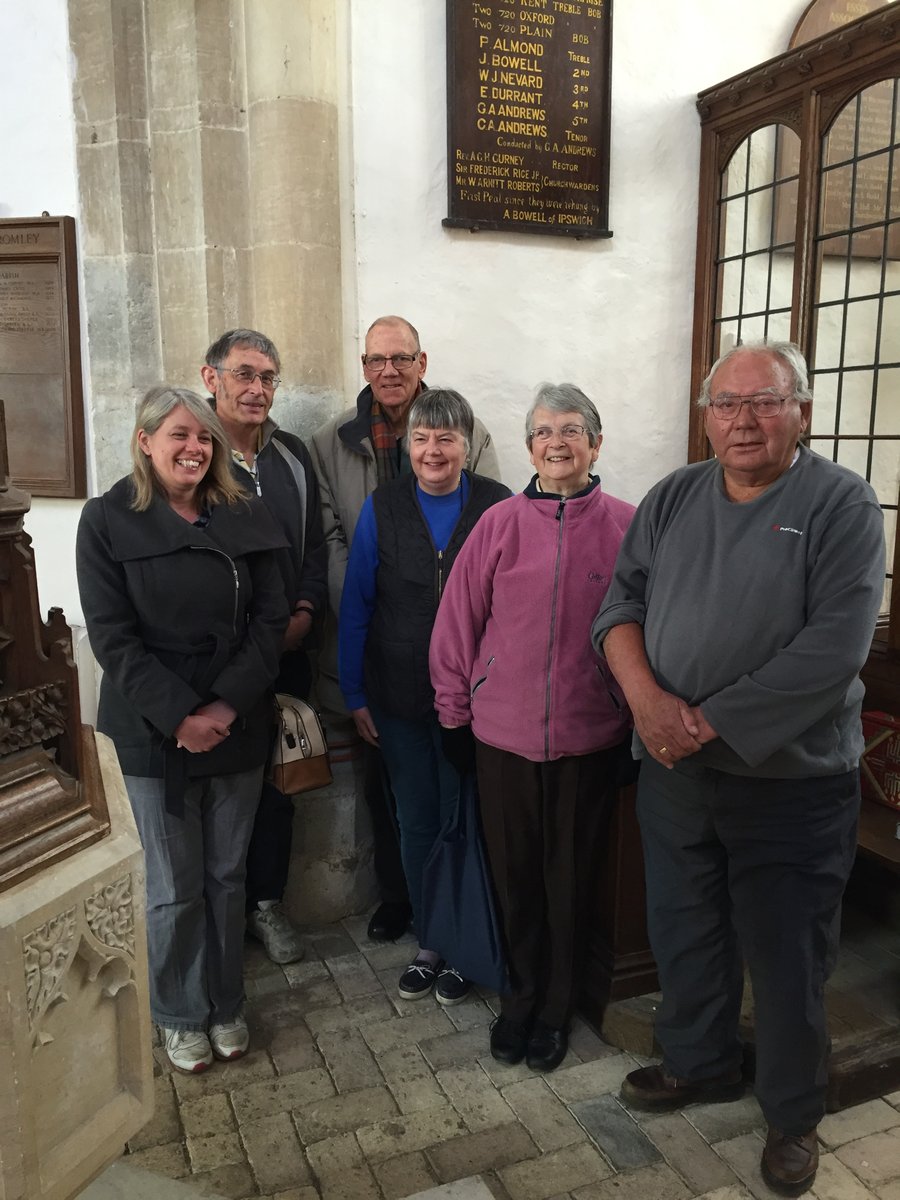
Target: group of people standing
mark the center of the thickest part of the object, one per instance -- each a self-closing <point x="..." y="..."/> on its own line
<point x="534" y="641"/>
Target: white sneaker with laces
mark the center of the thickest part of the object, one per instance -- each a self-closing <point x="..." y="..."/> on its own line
<point x="269" y="924"/>
<point x="230" y="1039"/>
<point x="188" y="1050"/>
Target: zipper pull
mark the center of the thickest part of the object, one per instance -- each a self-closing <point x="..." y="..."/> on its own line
<point x="559" y="511"/>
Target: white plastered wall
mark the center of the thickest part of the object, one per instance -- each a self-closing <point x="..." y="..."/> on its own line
<point x="498" y="312"/>
<point x="37" y="149"/>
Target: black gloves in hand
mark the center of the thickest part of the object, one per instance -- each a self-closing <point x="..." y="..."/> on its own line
<point x="459" y="748"/>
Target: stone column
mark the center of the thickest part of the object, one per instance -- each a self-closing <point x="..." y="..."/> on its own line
<point x="209" y="150"/>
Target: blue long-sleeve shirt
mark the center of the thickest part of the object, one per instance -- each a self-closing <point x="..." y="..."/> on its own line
<point x="360" y="594"/>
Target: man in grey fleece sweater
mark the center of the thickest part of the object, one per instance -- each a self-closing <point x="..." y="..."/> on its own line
<point x="741" y="610"/>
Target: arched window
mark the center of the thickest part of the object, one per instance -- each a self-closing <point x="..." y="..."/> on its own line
<point x="799" y="237"/>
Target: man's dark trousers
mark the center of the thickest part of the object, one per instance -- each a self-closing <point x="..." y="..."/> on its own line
<point x="738" y="865"/>
<point x="385" y="834"/>
<point x="269" y="856"/>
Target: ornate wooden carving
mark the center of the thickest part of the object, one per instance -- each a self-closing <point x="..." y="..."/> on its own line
<point x="48" y="806"/>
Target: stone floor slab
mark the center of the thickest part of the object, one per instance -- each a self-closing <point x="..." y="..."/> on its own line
<point x="454" y="1049"/>
<point x="293" y="1048"/>
<point x="742" y="1154"/>
<point x="206" y="1115"/>
<point x="274" y="1152"/>
<point x="586" y="1044"/>
<point x="410" y="1079"/>
<point x="165" y="1125"/>
<point x="720" y="1122"/>
<point x="122" y="1181"/>
<point x="587" y="1080"/>
<point x="544" y="1116"/>
<point x="233" y="1181"/>
<point x="281" y="1094"/>
<point x="872" y="1117"/>
<point x="734" y="1191"/>
<point x="462" y="1189"/>
<point x="366" y="1011"/>
<point x="224" y="1077"/>
<point x="400" y="1135"/>
<point x="475" y="1153"/>
<point x="334" y="1156"/>
<point x="214" y="1150"/>
<point x="620" y="1138"/>
<point x="353" y="975"/>
<point x="562" y="1171"/>
<point x="474" y="1097"/>
<point x="342" y="1114"/>
<point x="657" y="1182"/>
<point x="405" y="1175"/>
<point x="875" y="1159"/>
<point x="420" y="1025"/>
<point x="684" y="1149"/>
<point x="169" y="1159"/>
<point x="834" y="1181"/>
<point x="332" y="942"/>
<point x="350" y="1061"/>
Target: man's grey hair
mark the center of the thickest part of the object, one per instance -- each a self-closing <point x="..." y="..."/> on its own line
<point x="394" y="320"/>
<point x="565" y="398"/>
<point x="442" y="408"/>
<point x="787" y="353"/>
<point x="223" y="346"/>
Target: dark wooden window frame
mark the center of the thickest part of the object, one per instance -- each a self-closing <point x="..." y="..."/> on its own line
<point x="803" y="89"/>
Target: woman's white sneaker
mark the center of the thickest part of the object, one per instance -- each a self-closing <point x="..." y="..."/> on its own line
<point x="231" y="1039"/>
<point x="188" y="1050"/>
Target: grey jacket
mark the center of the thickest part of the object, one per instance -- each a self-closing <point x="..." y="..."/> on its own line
<point x="344" y="460"/>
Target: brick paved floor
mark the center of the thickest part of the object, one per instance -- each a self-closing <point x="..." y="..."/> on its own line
<point x="349" y="1093"/>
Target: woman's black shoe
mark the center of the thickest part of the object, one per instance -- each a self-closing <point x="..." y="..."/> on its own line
<point x="509" y="1041"/>
<point x="389" y="921"/>
<point x="546" y="1047"/>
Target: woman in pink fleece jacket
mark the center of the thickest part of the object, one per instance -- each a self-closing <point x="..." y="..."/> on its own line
<point x="512" y="664"/>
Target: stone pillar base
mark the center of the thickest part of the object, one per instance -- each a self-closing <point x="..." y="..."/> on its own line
<point x="332" y="875"/>
<point x="75" y="1046"/>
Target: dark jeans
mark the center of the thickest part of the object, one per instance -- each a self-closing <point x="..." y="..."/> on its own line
<point x="269" y="856"/>
<point x="543" y="824"/>
<point x="425" y="787"/>
<point x="755" y="866"/>
<point x="385" y="835"/>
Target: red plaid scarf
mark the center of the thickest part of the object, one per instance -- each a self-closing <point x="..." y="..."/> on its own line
<point x="385" y="443"/>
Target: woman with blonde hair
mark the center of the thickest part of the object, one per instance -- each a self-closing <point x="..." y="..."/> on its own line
<point x="185" y="611"/>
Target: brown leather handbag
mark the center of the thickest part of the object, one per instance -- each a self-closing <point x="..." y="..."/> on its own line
<point x="299" y="758"/>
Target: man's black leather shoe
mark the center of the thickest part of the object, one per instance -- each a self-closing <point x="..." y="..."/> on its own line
<point x="509" y="1041"/>
<point x="389" y="922"/>
<point x="546" y="1047"/>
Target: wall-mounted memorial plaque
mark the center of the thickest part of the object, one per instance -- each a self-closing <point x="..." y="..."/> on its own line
<point x="528" y="85"/>
<point x="40" y="356"/>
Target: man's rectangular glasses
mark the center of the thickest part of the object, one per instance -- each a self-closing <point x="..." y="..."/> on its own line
<point x="400" y="362"/>
<point x="268" y="379"/>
